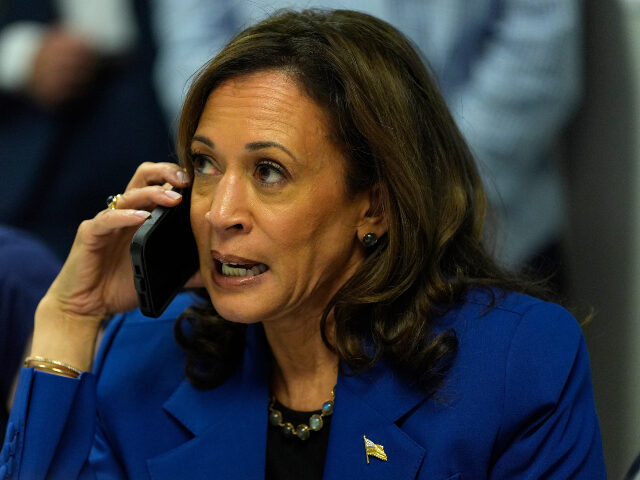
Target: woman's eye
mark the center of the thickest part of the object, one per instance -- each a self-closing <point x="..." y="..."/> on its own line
<point x="202" y="165"/>
<point x="269" y="173"/>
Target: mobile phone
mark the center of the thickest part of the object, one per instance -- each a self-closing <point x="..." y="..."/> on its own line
<point x="164" y="256"/>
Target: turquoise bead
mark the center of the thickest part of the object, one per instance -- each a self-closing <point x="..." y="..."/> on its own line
<point x="327" y="408"/>
<point x="275" y="417"/>
<point x="315" y="422"/>
<point x="303" y="432"/>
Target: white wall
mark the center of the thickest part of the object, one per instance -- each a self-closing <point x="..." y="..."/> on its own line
<point x="603" y="154"/>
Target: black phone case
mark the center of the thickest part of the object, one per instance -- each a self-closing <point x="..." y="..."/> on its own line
<point x="164" y="256"/>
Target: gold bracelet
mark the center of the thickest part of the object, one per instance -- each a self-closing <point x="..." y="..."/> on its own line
<point x="52" y="366"/>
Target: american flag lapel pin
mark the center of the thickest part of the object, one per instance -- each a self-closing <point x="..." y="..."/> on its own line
<point x="373" y="449"/>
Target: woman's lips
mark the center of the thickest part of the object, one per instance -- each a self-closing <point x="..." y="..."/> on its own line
<point x="228" y="258"/>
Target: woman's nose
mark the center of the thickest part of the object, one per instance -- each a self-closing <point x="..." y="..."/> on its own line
<point x="228" y="209"/>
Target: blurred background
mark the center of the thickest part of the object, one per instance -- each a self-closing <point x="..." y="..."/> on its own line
<point x="78" y="116"/>
<point x="602" y="170"/>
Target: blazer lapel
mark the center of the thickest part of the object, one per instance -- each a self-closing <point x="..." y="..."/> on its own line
<point x="228" y="424"/>
<point x="369" y="405"/>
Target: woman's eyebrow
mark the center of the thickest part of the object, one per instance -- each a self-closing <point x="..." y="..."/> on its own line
<point x="253" y="146"/>
<point x="205" y="140"/>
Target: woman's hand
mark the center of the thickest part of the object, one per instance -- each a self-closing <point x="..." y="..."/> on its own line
<point x="96" y="280"/>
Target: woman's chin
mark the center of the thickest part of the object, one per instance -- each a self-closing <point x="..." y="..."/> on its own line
<point x="236" y="316"/>
<point x="237" y="308"/>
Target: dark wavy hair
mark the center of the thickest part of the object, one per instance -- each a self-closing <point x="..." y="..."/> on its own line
<point x="389" y="119"/>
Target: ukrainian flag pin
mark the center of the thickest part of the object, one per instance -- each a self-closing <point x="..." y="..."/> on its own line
<point x="374" y="450"/>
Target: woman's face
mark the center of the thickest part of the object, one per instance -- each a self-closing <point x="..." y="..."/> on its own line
<point x="277" y="233"/>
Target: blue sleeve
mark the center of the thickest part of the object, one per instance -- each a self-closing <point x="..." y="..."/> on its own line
<point x="54" y="433"/>
<point x="54" y="430"/>
<point x="550" y="427"/>
<point x="51" y="427"/>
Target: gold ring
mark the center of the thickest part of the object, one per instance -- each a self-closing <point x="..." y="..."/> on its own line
<point x="112" y="201"/>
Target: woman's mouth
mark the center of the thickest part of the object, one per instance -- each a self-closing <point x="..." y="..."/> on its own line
<point x="236" y="269"/>
<point x="241" y="270"/>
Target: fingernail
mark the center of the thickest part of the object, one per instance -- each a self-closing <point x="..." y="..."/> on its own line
<point x="142" y="213"/>
<point x="172" y="194"/>
<point x="182" y="177"/>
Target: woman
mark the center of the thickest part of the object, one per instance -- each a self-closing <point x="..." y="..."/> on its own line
<point x="338" y="217"/>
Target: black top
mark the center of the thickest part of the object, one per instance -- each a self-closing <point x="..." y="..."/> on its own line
<point x="292" y="458"/>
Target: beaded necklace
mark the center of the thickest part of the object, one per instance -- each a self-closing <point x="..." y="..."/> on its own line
<point x="302" y="431"/>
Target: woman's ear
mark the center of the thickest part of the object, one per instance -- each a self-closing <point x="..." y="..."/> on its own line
<point x="374" y="222"/>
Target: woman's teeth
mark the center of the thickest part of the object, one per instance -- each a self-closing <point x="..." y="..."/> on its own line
<point x="236" y="270"/>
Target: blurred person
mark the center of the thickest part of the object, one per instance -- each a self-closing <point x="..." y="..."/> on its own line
<point x="508" y="69"/>
<point x="353" y="324"/>
<point x="27" y="268"/>
<point x="78" y="109"/>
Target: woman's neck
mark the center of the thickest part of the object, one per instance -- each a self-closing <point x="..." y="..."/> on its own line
<point x="304" y="369"/>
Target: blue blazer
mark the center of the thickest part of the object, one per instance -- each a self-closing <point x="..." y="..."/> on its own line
<point x="517" y="403"/>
